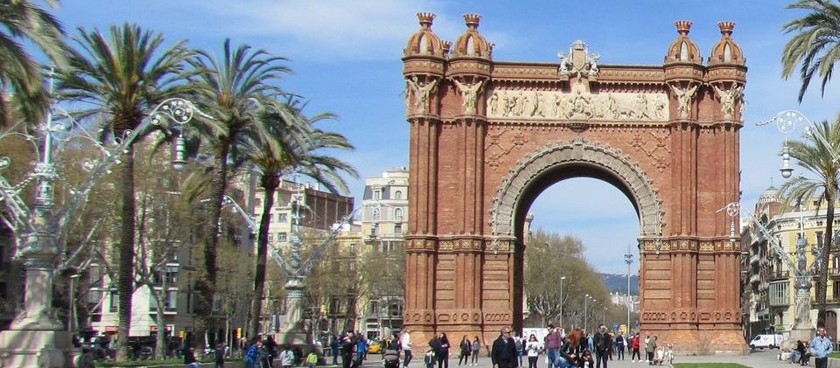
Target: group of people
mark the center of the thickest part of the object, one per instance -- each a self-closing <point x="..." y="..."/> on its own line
<point x="262" y="353"/>
<point x="819" y="348"/>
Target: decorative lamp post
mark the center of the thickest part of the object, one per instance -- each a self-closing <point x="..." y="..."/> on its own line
<point x="33" y="338"/>
<point x="562" y="278"/>
<point x="585" y="301"/>
<point x="628" y="258"/>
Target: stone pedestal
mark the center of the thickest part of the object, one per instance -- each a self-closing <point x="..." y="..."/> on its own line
<point x="41" y="349"/>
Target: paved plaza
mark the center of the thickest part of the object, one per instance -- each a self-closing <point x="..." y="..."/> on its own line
<point x="756" y="359"/>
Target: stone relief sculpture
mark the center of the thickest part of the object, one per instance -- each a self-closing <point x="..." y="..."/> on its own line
<point x="421" y="92"/>
<point x="470" y="93"/>
<point x="684" y="96"/>
<point x="578" y="105"/>
<point x="727" y="100"/>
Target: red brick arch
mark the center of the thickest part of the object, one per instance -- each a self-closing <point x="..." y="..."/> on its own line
<point x="487" y="137"/>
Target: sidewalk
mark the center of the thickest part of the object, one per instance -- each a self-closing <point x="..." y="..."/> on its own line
<point x="757" y="359"/>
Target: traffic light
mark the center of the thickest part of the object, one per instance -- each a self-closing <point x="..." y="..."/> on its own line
<point x="239" y="332"/>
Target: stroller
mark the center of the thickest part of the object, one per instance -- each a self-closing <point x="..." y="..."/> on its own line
<point x="391" y="359"/>
<point x="659" y="356"/>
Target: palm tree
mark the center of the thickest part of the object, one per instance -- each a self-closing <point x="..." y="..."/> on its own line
<point x="816" y="155"/>
<point x="294" y="145"/>
<point x="235" y="91"/>
<point x="121" y="79"/>
<point x="815" y="43"/>
<point x="20" y="73"/>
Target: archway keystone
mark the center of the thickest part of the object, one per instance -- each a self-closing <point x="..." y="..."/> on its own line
<point x="487" y="137"/>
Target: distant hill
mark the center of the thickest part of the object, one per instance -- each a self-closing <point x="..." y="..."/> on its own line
<point x="618" y="283"/>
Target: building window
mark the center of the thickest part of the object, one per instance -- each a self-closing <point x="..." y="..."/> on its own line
<point x="374" y="308"/>
<point x="257" y="202"/>
<point x="398" y="194"/>
<point x="270" y="237"/>
<point x="281" y="237"/>
<point x="377" y="194"/>
<point x="398" y="213"/>
<point x="113" y="301"/>
<point x="282" y="218"/>
<point x="398" y="229"/>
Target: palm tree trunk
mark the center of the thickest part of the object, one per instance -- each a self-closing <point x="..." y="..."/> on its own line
<point x="828" y="239"/>
<point x="269" y="184"/>
<point x="206" y="281"/>
<point x="125" y="272"/>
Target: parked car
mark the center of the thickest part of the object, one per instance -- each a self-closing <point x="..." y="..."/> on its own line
<point x="766" y="341"/>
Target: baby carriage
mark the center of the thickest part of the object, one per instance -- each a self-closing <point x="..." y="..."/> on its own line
<point x="391" y="359"/>
<point x="659" y="356"/>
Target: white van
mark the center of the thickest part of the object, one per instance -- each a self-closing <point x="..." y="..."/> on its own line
<point x="766" y="341"/>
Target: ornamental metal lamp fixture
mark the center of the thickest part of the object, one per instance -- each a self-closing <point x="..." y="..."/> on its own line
<point x="40" y="231"/>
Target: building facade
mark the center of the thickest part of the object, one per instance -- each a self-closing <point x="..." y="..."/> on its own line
<point x="768" y="278"/>
<point x="384" y="222"/>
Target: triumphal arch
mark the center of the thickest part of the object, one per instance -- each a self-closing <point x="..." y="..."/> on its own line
<point x="487" y="137"/>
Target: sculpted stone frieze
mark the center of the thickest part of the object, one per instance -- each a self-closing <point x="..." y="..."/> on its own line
<point x="577" y="105"/>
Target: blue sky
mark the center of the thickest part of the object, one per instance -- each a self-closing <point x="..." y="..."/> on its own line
<point x="346" y="58"/>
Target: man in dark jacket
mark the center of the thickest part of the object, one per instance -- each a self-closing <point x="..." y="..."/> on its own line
<point x="504" y="350"/>
<point x="602" y="344"/>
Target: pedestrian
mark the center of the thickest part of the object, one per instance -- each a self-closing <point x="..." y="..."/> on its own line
<point x="552" y="344"/>
<point x="532" y="348"/>
<point x="361" y="349"/>
<point x="601" y="340"/>
<point x="504" y="350"/>
<point x="348" y="345"/>
<point x="820" y="347"/>
<point x="429" y="359"/>
<point x="335" y="345"/>
<point x="287" y="357"/>
<point x="219" y="355"/>
<point x="520" y="349"/>
<point x="270" y="347"/>
<point x="189" y="359"/>
<point x="254" y="354"/>
<point x="405" y="344"/>
<point x="441" y="348"/>
<point x="476" y="350"/>
<point x="312" y="359"/>
<point x="466" y="347"/>
<point x="648" y="350"/>
<point x="619" y="346"/>
<point x="634" y="345"/>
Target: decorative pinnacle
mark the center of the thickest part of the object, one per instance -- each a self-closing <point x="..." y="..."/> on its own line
<point x="426" y="19"/>
<point x="726" y="28"/>
<point x="472" y="20"/>
<point x="683" y="26"/>
<point x="447" y="45"/>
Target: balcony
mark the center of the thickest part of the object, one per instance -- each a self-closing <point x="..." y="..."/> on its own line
<point x="780" y="275"/>
<point x="755" y="258"/>
<point x="834" y="272"/>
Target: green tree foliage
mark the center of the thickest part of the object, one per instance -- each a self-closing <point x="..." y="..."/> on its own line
<point x="548" y="258"/>
<point x="20" y="73"/>
<point x="814" y="44"/>
<point x="122" y="76"/>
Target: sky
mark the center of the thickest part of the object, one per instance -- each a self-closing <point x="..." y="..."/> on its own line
<point x="346" y="58"/>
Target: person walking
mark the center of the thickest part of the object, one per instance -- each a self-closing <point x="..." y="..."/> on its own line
<point x="601" y="340"/>
<point x="619" y="346"/>
<point x="405" y="344"/>
<point x="504" y="350"/>
<point x="287" y="357"/>
<point x="254" y="353"/>
<point x="348" y="344"/>
<point x="820" y="347"/>
<point x="335" y="345"/>
<point x="466" y="348"/>
<point x="533" y="350"/>
<point x="552" y="344"/>
<point x="476" y="350"/>
<point x="634" y="346"/>
<point x="219" y="355"/>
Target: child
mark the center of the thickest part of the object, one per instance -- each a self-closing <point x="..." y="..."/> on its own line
<point x="429" y="359"/>
<point x="669" y="354"/>
<point x="312" y="359"/>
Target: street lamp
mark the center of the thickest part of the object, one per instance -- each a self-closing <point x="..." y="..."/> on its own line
<point x="71" y="320"/>
<point x="585" y="301"/>
<point x="561" y="300"/>
<point x="40" y="231"/>
<point x="788" y="120"/>
<point x="628" y="258"/>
